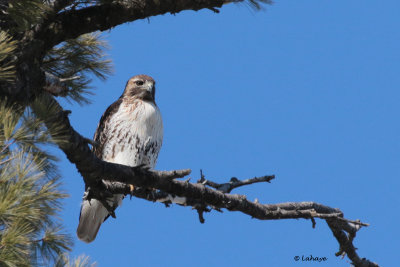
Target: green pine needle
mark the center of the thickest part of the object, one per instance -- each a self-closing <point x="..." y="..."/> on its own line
<point x="7" y="47"/>
<point x="30" y="194"/>
<point x="75" y="62"/>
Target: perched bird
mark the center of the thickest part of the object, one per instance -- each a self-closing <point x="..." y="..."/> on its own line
<point x="130" y="132"/>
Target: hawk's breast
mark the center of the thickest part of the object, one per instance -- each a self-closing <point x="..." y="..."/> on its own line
<point x="135" y="134"/>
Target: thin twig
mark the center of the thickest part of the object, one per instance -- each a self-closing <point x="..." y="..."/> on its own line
<point x="234" y="182"/>
<point x="7" y="160"/>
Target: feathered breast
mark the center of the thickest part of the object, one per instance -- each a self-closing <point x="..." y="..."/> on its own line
<point x="130" y="133"/>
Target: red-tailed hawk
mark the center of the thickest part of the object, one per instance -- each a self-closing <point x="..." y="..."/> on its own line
<point x="130" y="132"/>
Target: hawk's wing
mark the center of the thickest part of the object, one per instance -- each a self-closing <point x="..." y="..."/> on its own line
<point x="101" y="136"/>
<point x="93" y="212"/>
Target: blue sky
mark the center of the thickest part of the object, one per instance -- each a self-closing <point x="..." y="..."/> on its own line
<point x="306" y="90"/>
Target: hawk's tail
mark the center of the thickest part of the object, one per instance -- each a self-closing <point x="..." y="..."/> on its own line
<point x="92" y="215"/>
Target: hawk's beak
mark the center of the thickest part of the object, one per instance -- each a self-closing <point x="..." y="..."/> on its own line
<point x="150" y="87"/>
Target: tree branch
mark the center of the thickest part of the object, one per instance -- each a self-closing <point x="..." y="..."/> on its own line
<point x="196" y="195"/>
<point x="108" y="15"/>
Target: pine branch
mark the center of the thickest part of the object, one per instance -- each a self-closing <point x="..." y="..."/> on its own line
<point x="93" y="170"/>
<point x="69" y="66"/>
<point x="7" y="67"/>
<point x="110" y="14"/>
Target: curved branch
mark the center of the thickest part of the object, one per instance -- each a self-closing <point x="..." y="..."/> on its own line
<point x="105" y="16"/>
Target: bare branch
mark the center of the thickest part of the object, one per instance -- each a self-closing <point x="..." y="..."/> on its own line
<point x="346" y="246"/>
<point x="196" y="195"/>
<point x="234" y="182"/>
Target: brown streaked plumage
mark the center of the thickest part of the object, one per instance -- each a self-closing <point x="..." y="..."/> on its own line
<point x="130" y="133"/>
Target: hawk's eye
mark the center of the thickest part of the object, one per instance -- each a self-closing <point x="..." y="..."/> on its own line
<point x="139" y="82"/>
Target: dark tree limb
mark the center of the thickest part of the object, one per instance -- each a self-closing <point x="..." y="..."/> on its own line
<point x="196" y="195"/>
<point x="108" y="15"/>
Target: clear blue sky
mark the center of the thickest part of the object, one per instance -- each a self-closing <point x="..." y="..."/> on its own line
<point x="306" y="90"/>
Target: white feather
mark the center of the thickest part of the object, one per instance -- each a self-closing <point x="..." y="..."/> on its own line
<point x="139" y="125"/>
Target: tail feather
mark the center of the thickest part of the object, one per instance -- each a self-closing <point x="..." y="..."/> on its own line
<point x="92" y="215"/>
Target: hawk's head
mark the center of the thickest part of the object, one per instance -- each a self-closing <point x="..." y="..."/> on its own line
<point x="141" y="86"/>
